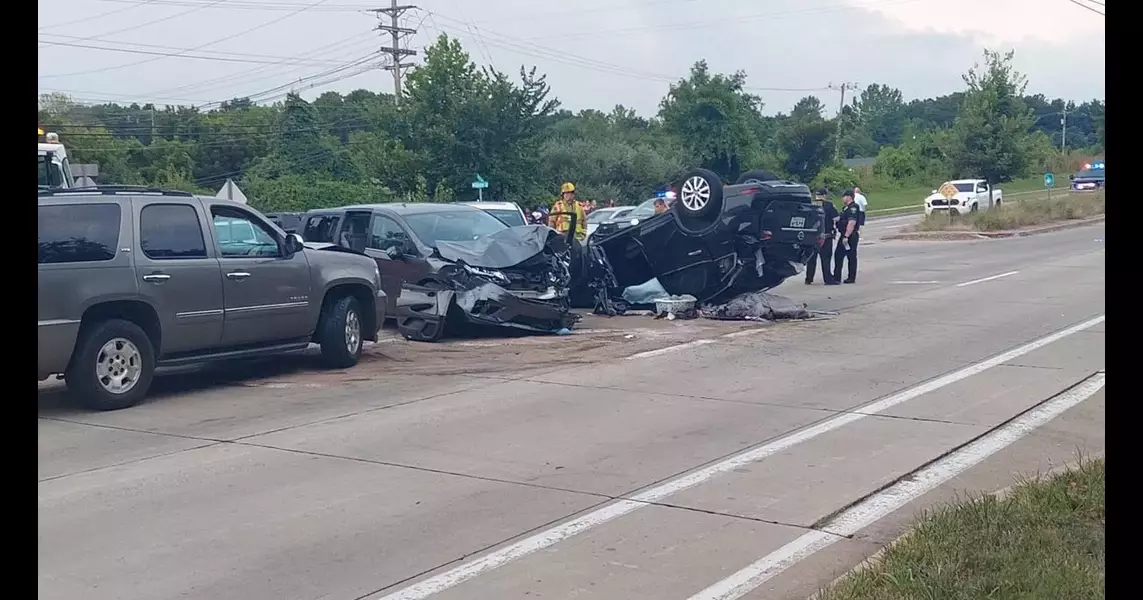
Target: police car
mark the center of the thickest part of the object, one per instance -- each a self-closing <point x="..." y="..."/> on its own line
<point x="1089" y="179"/>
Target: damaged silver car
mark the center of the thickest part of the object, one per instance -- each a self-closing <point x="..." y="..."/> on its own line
<point x="452" y="267"/>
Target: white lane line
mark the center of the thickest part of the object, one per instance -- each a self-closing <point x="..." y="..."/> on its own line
<point x="983" y="279"/>
<point x="744" y="332"/>
<point x="914" y="282"/>
<point x="693" y="344"/>
<point x="548" y="537"/>
<point x="884" y="503"/>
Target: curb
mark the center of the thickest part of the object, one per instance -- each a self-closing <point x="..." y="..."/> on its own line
<point x="992" y="235"/>
<point x="874" y="559"/>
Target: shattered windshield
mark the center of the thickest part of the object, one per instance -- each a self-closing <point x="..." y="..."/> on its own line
<point x="453" y="226"/>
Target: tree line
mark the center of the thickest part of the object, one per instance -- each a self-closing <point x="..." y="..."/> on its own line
<point x="457" y="120"/>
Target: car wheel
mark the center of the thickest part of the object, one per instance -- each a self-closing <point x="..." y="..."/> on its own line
<point x="756" y="176"/>
<point x="112" y="367"/>
<point x="700" y="194"/>
<point x="340" y="335"/>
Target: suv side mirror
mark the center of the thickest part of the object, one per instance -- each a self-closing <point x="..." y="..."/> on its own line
<point x="294" y="243"/>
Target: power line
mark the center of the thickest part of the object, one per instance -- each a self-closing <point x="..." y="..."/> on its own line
<point x="135" y="4"/>
<point x="223" y="80"/>
<point x="529" y="49"/>
<point x="396" y="32"/>
<point x="184" y="54"/>
<point x="152" y="22"/>
<point x="196" y="48"/>
<point x="1087" y="7"/>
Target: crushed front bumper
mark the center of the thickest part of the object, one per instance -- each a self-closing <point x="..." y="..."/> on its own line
<point x="424" y="313"/>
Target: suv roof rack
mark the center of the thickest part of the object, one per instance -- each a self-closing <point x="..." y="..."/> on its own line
<point x="113" y="189"/>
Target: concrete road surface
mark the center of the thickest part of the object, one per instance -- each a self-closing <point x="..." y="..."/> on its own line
<point x="755" y="461"/>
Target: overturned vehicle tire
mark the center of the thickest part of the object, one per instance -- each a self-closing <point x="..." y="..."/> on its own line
<point x="724" y="242"/>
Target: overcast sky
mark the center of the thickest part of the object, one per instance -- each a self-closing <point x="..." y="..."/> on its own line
<point x="597" y="53"/>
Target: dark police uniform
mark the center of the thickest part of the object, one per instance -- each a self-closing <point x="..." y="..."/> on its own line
<point x="825" y="253"/>
<point x="850" y="213"/>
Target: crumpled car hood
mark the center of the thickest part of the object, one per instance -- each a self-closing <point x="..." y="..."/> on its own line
<point x="505" y="248"/>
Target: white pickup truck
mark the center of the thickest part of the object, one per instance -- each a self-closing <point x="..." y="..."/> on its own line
<point x="971" y="195"/>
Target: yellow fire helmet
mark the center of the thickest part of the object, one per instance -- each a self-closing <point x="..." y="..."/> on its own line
<point x="567" y="187"/>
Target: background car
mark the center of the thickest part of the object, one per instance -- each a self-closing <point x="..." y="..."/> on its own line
<point x="509" y="212"/>
<point x="623" y="220"/>
<point x="1089" y="179"/>
<point x="602" y="215"/>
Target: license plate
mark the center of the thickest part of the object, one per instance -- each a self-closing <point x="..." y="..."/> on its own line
<point x="798" y="222"/>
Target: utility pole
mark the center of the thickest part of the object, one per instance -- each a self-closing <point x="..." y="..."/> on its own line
<point x="840" y="110"/>
<point x="1064" y="122"/>
<point x="394" y="12"/>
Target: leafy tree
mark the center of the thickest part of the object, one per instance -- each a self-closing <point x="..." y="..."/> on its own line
<point x="715" y="119"/>
<point x="879" y="111"/>
<point x="990" y="136"/>
<point x="805" y="140"/>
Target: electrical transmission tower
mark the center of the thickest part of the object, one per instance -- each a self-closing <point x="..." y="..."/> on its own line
<point x="396" y="32"/>
<point x="840" y="109"/>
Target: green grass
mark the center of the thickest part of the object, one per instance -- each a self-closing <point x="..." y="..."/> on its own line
<point x="1044" y="540"/>
<point x="1025" y="211"/>
<point x="915" y="197"/>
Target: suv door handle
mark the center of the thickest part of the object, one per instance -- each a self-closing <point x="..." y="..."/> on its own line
<point x="238" y="275"/>
<point x="156" y="278"/>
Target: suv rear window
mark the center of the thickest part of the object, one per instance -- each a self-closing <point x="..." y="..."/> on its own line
<point x="78" y="232"/>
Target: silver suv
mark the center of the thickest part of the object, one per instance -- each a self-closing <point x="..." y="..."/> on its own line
<point x="131" y="279"/>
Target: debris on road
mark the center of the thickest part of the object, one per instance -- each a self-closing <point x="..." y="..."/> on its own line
<point x="757" y="306"/>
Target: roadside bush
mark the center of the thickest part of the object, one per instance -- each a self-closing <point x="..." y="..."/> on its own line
<point x="1022" y="213"/>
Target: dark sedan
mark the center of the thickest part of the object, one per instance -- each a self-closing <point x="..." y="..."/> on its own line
<point x="442" y="262"/>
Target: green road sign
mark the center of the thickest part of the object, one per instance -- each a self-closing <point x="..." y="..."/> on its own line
<point x="480" y="183"/>
<point x="1049" y="180"/>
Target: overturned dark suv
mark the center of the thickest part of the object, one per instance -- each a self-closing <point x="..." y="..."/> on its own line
<point x="717" y="242"/>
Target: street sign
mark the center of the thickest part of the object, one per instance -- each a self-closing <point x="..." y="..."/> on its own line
<point x="1049" y="180"/>
<point x="479" y="185"/>
<point x="947" y="190"/>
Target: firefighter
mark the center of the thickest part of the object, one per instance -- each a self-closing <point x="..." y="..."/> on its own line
<point x="568" y="204"/>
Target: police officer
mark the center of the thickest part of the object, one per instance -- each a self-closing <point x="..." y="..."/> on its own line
<point x="825" y="252"/>
<point x="848" y="225"/>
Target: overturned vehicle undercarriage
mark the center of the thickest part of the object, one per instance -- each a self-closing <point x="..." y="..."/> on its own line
<point x="517" y="277"/>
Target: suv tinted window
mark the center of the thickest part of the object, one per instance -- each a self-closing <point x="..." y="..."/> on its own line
<point x="171" y="231"/>
<point x="320" y="228"/>
<point x="78" y="232"/>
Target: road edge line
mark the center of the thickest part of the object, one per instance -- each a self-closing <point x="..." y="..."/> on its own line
<point x="898" y="495"/>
